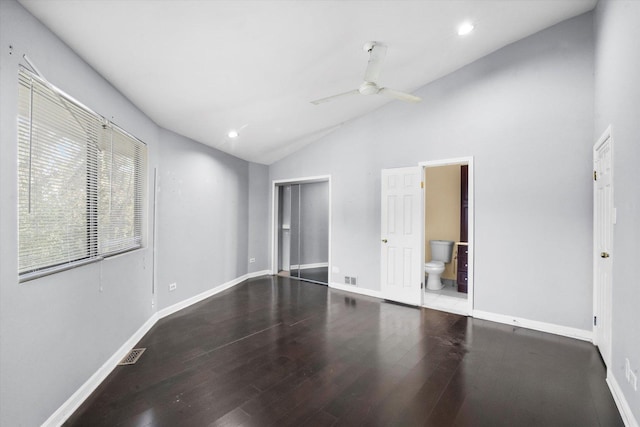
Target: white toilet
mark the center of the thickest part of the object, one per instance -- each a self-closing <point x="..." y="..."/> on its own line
<point x="441" y="251"/>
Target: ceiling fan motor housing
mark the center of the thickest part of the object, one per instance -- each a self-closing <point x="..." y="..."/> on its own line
<point x="368" y="46"/>
<point x="368" y="88"/>
<point x="377" y="52"/>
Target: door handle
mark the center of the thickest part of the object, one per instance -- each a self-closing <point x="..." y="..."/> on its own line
<point x="604" y="255"/>
<point x="384" y="240"/>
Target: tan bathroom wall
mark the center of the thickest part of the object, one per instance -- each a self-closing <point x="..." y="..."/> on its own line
<point x="442" y="209"/>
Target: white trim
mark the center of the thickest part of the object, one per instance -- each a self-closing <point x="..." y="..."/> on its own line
<point x="447" y="162"/>
<point x="85" y="390"/>
<point x="622" y="404"/>
<point x="356" y="290"/>
<point x="469" y="161"/>
<point x="73" y="403"/>
<point x="307" y="180"/>
<point x="258" y="274"/>
<point x="309" y="266"/>
<point x="551" y="328"/>
<point x="329" y="247"/>
<point x="274" y="227"/>
<point x="167" y="311"/>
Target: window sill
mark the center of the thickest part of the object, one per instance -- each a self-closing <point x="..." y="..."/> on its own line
<point x="26" y="277"/>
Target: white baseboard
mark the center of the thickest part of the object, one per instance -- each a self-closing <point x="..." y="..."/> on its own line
<point x="73" y="403"/>
<point x="581" y="334"/>
<point x="356" y="290"/>
<point x="622" y="404"/>
<point x="167" y="311"/>
<point x="85" y="390"/>
<point x="258" y="274"/>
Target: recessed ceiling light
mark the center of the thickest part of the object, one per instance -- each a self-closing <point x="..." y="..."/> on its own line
<point x="465" y="28"/>
<point x="233" y="134"/>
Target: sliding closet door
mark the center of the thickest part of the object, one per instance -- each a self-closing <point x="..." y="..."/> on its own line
<point x="294" y="247"/>
<point x="314" y="231"/>
<point x="303" y="227"/>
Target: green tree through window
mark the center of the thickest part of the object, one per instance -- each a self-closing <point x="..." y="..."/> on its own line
<point x="81" y="182"/>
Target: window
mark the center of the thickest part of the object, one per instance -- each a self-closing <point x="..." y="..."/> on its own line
<point x="81" y="182"/>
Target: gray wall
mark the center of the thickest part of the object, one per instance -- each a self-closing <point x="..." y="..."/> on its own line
<point x="259" y="212"/>
<point x="202" y="218"/>
<point x="314" y="227"/>
<point x="58" y="330"/>
<point x="617" y="103"/>
<point x="212" y="213"/>
<point x="525" y="113"/>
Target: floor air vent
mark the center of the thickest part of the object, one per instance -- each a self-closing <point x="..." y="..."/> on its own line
<point x="132" y="357"/>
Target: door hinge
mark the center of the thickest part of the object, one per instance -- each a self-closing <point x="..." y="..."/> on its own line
<point x="595" y="175"/>
<point x="421" y="184"/>
<point x="595" y="320"/>
<point x="421" y="285"/>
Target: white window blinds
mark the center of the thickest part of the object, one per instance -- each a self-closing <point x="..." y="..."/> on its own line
<point x="81" y="182"/>
<point x="122" y="165"/>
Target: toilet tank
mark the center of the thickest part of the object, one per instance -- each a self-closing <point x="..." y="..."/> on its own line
<point x="441" y="250"/>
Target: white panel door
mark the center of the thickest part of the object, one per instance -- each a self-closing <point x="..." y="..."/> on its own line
<point x="603" y="244"/>
<point x="401" y="235"/>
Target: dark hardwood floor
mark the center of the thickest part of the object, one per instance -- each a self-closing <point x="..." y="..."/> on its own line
<point x="281" y="352"/>
<point x="319" y="274"/>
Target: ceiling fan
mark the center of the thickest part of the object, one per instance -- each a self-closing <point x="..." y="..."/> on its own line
<point x="377" y="52"/>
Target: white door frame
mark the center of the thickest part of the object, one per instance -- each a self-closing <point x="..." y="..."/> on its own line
<point x="471" y="236"/>
<point x="597" y="309"/>
<point x="274" y="216"/>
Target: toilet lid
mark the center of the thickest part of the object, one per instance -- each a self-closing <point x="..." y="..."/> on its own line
<point x="433" y="264"/>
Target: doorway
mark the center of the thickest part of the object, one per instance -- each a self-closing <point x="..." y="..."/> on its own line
<point x="448" y="217"/>
<point x="301" y="229"/>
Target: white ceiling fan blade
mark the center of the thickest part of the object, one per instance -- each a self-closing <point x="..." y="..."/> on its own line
<point x="376" y="57"/>
<point x="399" y="95"/>
<point x="340" y="95"/>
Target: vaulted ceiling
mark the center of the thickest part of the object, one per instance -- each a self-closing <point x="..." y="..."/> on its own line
<point x="204" y="67"/>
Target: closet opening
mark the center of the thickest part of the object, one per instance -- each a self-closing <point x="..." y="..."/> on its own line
<point x="301" y="229"/>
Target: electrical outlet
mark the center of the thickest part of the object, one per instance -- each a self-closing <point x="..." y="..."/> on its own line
<point x="347" y="280"/>
<point x="172" y="287"/>
<point x="252" y="260"/>
<point x="354" y="280"/>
